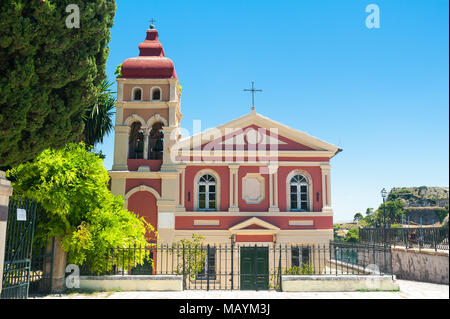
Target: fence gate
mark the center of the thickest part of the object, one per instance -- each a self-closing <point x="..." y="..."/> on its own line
<point x="19" y="242"/>
<point x="254" y="268"/>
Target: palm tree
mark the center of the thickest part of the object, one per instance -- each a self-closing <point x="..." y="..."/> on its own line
<point x="98" y="117"/>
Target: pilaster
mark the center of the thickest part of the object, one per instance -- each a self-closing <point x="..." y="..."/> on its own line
<point x="234" y="200"/>
<point x="326" y="188"/>
<point x="273" y="188"/>
<point x="121" y="147"/>
<point x="181" y="181"/>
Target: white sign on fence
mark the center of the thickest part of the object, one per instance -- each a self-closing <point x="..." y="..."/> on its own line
<point x="21" y="215"/>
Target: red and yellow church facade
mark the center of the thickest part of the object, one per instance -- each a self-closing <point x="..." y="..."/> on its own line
<point x="251" y="180"/>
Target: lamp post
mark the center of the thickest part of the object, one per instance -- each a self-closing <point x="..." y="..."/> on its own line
<point x="384" y="195"/>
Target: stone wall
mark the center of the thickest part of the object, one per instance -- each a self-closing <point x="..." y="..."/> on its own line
<point x="132" y="283"/>
<point x="338" y="283"/>
<point x="429" y="215"/>
<point x="421" y="265"/>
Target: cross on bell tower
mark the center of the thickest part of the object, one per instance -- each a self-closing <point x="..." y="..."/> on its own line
<point x="152" y="21"/>
<point x="253" y="90"/>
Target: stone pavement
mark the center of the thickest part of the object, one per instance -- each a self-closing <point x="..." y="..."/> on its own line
<point x="408" y="290"/>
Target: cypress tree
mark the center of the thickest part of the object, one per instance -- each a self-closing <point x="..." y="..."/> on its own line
<point x="49" y="73"/>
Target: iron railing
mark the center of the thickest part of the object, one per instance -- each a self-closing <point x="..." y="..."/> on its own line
<point x="42" y="267"/>
<point x="244" y="267"/>
<point x="18" y="248"/>
<point x="422" y="237"/>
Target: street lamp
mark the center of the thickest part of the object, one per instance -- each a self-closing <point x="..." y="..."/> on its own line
<point x="384" y="195"/>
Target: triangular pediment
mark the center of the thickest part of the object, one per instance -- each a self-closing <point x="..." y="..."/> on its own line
<point x="254" y="132"/>
<point x="253" y="138"/>
<point x="254" y="224"/>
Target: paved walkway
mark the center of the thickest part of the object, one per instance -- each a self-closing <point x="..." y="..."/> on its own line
<point x="408" y="290"/>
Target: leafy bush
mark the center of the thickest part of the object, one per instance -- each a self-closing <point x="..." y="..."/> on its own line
<point x="352" y="235"/>
<point x="305" y="269"/>
<point x="71" y="187"/>
<point x="442" y="213"/>
<point x="194" y="256"/>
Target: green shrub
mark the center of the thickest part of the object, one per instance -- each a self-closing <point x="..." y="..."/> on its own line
<point x="71" y="187"/>
<point x="305" y="269"/>
<point x="442" y="213"/>
<point x="352" y="236"/>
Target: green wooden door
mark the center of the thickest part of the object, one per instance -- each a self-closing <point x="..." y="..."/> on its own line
<point x="254" y="268"/>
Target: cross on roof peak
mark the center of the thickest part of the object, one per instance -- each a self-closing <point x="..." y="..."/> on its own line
<point x="253" y="90"/>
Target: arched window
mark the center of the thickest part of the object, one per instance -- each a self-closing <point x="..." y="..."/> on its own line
<point x="137" y="94"/>
<point x="136" y="142"/>
<point x="156" y="141"/>
<point x="207" y="193"/>
<point x="156" y="94"/>
<point x="299" y="193"/>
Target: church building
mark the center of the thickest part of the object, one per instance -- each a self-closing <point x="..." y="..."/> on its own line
<point x="251" y="180"/>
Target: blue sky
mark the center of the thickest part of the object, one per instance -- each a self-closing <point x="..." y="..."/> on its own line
<point x="380" y="94"/>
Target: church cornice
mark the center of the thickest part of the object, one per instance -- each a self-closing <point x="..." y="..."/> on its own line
<point x="146" y="81"/>
<point x="261" y="153"/>
<point x="137" y="174"/>
<point x="147" y="105"/>
<point x="253" y="214"/>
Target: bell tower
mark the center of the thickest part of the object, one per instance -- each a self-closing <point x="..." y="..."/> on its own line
<point x="147" y="124"/>
<point x="148" y="107"/>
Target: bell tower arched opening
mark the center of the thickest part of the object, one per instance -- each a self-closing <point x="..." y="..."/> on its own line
<point x="156" y="141"/>
<point x="136" y="141"/>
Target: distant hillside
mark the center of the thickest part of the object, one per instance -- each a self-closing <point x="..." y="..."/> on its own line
<point x="422" y="196"/>
<point x="423" y="205"/>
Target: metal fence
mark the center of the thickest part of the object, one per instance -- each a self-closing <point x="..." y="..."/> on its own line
<point x="429" y="237"/>
<point x="245" y="267"/>
<point x="18" y="248"/>
<point x="28" y="258"/>
<point x="41" y="267"/>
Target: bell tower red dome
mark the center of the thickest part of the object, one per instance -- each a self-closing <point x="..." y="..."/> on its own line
<point x="151" y="62"/>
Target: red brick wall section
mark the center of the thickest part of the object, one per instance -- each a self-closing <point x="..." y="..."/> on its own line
<point x="143" y="204"/>
<point x="254" y="238"/>
<point x="133" y="164"/>
<point x="226" y="222"/>
<point x="135" y="182"/>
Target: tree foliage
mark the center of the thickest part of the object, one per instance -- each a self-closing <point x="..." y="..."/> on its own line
<point x="358" y="217"/>
<point x="70" y="185"/>
<point x="394" y="212"/>
<point x="352" y="235"/>
<point x="118" y="72"/>
<point x="49" y="73"/>
<point x="98" y="116"/>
